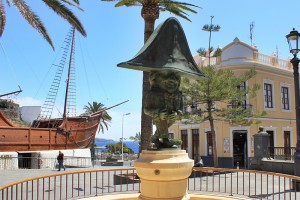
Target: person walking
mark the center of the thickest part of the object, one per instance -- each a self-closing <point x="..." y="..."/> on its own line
<point x="60" y="160"/>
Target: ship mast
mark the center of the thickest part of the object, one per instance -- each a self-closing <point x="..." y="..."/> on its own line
<point x="69" y="73"/>
<point x="15" y="92"/>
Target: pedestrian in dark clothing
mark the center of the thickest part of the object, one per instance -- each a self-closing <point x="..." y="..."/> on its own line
<point x="60" y="160"/>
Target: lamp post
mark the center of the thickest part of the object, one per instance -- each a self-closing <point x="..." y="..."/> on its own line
<point x="293" y="41"/>
<point x="122" y="135"/>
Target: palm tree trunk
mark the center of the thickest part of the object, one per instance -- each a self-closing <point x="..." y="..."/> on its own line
<point x="146" y="121"/>
<point x="150" y="13"/>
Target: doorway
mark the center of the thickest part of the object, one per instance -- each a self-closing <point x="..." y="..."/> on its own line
<point x="24" y="160"/>
<point x="195" y="145"/>
<point x="271" y="143"/>
<point x="240" y="149"/>
<point x="287" y="145"/>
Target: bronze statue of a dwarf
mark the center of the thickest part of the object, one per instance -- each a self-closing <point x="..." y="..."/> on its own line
<point x="167" y="57"/>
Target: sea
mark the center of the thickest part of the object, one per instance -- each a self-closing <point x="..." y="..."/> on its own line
<point x="131" y="144"/>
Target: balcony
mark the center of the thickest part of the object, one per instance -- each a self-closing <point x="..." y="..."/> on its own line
<point x="239" y="108"/>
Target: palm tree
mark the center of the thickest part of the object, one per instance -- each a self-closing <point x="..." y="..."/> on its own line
<point x="137" y="138"/>
<point x="150" y="13"/>
<point x="58" y="6"/>
<point x="105" y="118"/>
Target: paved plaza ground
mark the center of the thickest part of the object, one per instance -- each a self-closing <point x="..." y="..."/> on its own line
<point x="10" y="176"/>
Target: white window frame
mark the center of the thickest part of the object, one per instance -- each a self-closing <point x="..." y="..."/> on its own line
<point x="271" y="82"/>
<point x="289" y="96"/>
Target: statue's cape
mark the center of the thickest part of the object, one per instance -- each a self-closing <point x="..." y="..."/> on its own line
<point x="166" y="49"/>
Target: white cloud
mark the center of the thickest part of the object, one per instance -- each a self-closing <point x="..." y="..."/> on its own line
<point x="29" y="101"/>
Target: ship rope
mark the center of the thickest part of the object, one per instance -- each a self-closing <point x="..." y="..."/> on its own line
<point x="49" y="103"/>
<point x="12" y="72"/>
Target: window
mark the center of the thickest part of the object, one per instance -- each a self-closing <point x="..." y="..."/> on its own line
<point x="195" y="140"/>
<point x="234" y="103"/>
<point x="243" y="103"/>
<point x="184" y="140"/>
<point x="268" y="95"/>
<point x="285" y="98"/>
<point x="209" y="143"/>
<point x="171" y="135"/>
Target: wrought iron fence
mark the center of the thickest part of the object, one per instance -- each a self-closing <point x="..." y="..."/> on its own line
<point x="99" y="182"/>
<point x="250" y="183"/>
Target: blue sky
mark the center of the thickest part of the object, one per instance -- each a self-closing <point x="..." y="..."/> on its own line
<point x="116" y="35"/>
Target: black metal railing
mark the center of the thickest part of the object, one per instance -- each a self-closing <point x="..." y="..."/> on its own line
<point x="281" y="153"/>
<point x="230" y="183"/>
<point x="243" y="106"/>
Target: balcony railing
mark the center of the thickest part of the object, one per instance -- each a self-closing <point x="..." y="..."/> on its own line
<point x="241" y="107"/>
<point x="244" y="106"/>
<point x="281" y="153"/>
<point x="273" y="60"/>
<point x="258" y="57"/>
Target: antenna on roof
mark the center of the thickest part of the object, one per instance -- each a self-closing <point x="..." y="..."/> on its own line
<point x="251" y="31"/>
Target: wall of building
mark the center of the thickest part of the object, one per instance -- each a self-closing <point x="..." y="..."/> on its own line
<point x="240" y="57"/>
<point x="29" y="113"/>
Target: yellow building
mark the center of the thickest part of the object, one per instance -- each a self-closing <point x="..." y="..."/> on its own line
<point x="276" y="96"/>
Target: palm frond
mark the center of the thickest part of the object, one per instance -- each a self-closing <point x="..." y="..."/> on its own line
<point x="127" y="3"/>
<point x="2" y="18"/>
<point x="178" y="3"/>
<point x="72" y="4"/>
<point x="65" y="13"/>
<point x="187" y="8"/>
<point x="32" y="19"/>
<point x="8" y="2"/>
<point x="177" y="12"/>
<point x="105" y="118"/>
<point x="177" y="8"/>
<point x="76" y="1"/>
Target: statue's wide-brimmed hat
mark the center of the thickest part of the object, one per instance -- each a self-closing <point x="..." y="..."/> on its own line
<point x="166" y="49"/>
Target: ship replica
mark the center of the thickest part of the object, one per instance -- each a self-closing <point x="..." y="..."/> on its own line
<point x="46" y="133"/>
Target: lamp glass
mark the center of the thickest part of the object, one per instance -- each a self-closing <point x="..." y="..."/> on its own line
<point x="293" y="40"/>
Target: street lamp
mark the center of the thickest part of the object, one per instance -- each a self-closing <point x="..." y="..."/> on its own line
<point x="122" y="135"/>
<point x="293" y="41"/>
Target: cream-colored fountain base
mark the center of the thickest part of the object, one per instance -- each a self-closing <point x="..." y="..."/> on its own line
<point x="164" y="174"/>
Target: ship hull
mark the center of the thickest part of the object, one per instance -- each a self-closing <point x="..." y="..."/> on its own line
<point x="72" y="133"/>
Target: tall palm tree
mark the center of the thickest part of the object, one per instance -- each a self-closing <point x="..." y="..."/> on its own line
<point x="58" y="6"/>
<point x="150" y="12"/>
<point x="105" y="118"/>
